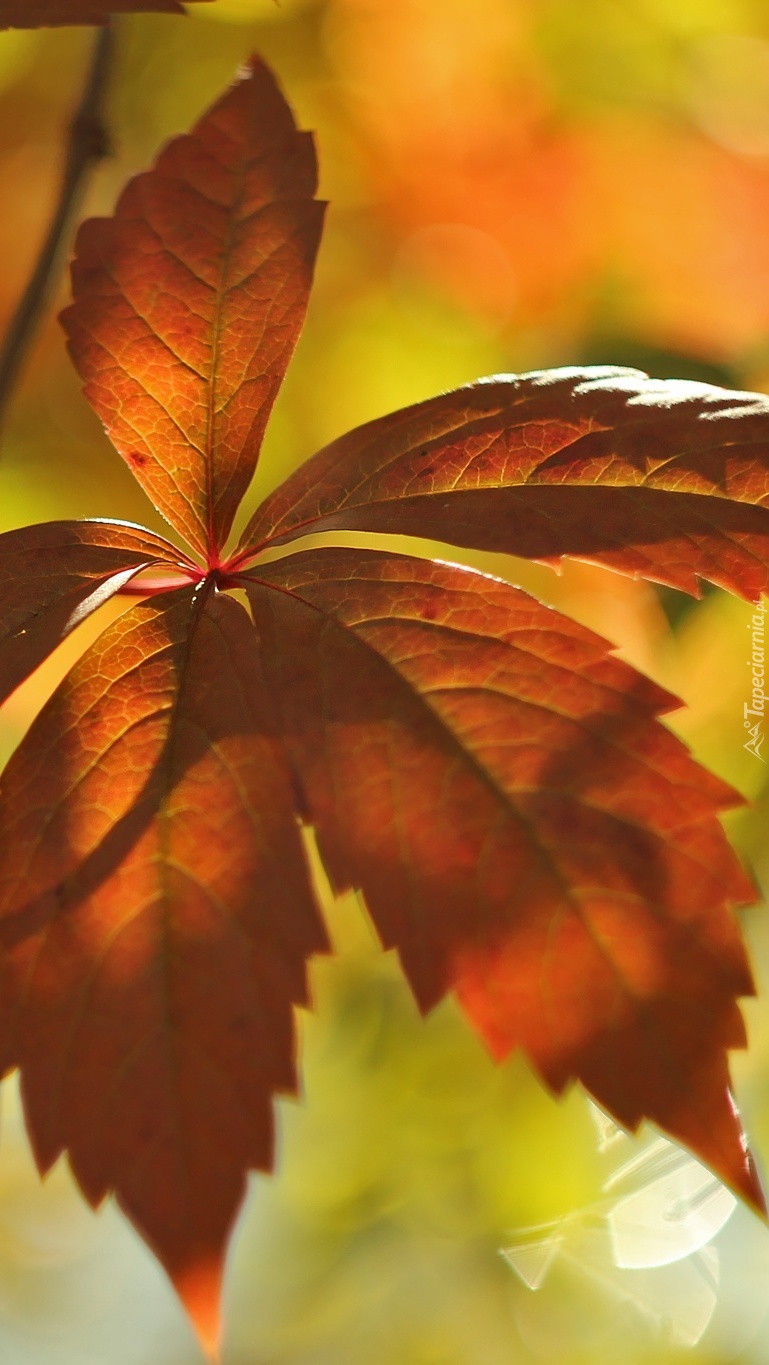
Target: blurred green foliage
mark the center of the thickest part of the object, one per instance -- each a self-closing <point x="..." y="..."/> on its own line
<point x="513" y="184"/>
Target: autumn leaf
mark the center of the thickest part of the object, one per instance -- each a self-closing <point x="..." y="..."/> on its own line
<point x="525" y="830"/>
<point x="498" y="787"/>
<point x="157" y="916"/>
<point x="197" y="292"/>
<point x="53" y="13"/>
<point x="53" y="576"/>
<point x="661" y="478"/>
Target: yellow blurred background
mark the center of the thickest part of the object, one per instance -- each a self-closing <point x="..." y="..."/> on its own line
<point x="514" y="184"/>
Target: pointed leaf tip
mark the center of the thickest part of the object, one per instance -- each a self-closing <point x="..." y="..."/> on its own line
<point x="747" y="1181"/>
<point x="199" y="1286"/>
<point x="754" y="1189"/>
<point x="732" y="1159"/>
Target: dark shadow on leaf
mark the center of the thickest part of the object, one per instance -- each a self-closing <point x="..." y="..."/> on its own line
<point x="670" y="539"/>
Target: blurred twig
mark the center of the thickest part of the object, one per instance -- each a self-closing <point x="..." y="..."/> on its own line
<point x="88" y="142"/>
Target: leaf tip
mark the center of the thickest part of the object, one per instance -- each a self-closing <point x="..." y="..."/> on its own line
<point x="724" y="1146"/>
<point x="754" y="1190"/>
<point x="747" y="1179"/>
<point x="199" y="1286"/>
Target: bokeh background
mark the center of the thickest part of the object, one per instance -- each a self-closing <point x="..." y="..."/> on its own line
<point x="514" y="184"/>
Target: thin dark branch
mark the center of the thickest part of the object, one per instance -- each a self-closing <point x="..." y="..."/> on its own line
<point x="88" y="143"/>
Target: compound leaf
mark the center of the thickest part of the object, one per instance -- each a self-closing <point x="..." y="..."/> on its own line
<point x="526" y="832"/>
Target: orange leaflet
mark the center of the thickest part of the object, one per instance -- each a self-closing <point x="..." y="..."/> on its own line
<point x="155" y="917"/>
<point x="189" y="302"/>
<point x="660" y="478"/>
<point x="45" y="13"/>
<point x="521" y="826"/>
<point x="55" y="575"/>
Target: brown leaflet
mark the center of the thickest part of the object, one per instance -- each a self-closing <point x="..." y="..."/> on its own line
<point x="190" y="300"/>
<point x="45" y="13"/>
<point x="522" y="827"/>
<point x="54" y="575"/>
<point x="155" y="919"/>
<point x="663" y="479"/>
